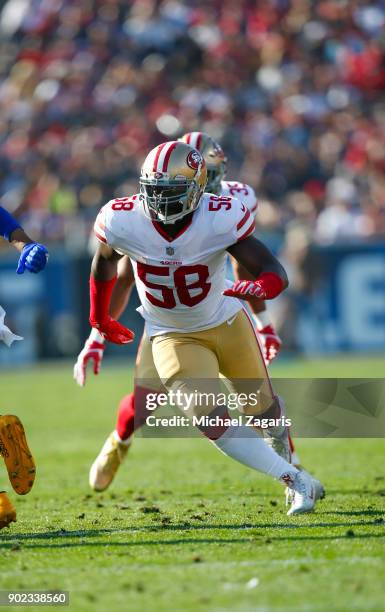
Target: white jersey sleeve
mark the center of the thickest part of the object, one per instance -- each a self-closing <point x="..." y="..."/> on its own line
<point x="232" y="220"/>
<point x="109" y="223"/>
<point x="243" y="192"/>
<point x="100" y="226"/>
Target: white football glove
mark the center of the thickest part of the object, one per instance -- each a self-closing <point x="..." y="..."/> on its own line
<point x="6" y="335"/>
<point x="93" y="350"/>
<point x="270" y="341"/>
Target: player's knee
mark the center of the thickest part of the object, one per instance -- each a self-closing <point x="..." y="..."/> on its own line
<point x="260" y="403"/>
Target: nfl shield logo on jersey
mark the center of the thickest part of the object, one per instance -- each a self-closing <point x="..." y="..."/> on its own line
<point x="170" y="250"/>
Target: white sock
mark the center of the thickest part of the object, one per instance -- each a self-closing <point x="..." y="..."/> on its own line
<point x="126" y="442"/>
<point x="243" y="444"/>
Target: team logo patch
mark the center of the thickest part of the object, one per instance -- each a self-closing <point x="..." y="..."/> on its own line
<point x="158" y="175"/>
<point x="194" y="160"/>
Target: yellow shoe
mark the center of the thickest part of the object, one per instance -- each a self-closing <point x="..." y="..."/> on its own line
<point x="7" y="511"/>
<point x="107" y="463"/>
<point x="16" y="454"/>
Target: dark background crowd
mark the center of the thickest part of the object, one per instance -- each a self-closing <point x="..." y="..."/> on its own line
<point x="292" y="89"/>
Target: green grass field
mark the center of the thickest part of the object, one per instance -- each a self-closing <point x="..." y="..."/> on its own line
<point x="183" y="527"/>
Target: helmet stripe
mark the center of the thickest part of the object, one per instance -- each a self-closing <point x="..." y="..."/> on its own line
<point x="156" y="158"/>
<point x="168" y="155"/>
<point x="199" y="140"/>
<point x="188" y="138"/>
<point x="193" y="139"/>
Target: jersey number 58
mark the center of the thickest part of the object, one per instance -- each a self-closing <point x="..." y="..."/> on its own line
<point x="181" y="286"/>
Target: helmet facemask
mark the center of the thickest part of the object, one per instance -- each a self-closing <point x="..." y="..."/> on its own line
<point x="215" y="175"/>
<point x="168" y="201"/>
<point x="172" y="181"/>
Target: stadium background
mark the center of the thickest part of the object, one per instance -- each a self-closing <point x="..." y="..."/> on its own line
<point x="292" y="90"/>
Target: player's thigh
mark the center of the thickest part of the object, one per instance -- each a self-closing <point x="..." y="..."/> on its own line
<point x="188" y="366"/>
<point x="146" y="380"/>
<point x="182" y="356"/>
<point x="146" y="374"/>
<point x="241" y="361"/>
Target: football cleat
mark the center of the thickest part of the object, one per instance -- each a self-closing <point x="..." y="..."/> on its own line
<point x="280" y="444"/>
<point x="7" y="511"/>
<point x="319" y="488"/>
<point x="107" y="463"/>
<point x="304" y="492"/>
<point x="16" y="454"/>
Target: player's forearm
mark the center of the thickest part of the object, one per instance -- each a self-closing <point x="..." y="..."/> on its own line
<point x="256" y="258"/>
<point x="104" y="264"/>
<point x="102" y="281"/>
<point x="8" y="224"/>
<point x="267" y="266"/>
<point x="257" y="305"/>
<point x="269" y="276"/>
<point x="120" y="296"/>
<point x="123" y="287"/>
<point x="19" y="239"/>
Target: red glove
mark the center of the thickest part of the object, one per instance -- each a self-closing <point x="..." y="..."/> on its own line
<point x="115" y="332"/>
<point x="266" y="287"/>
<point x="271" y="343"/>
<point x="93" y="350"/>
<point x="100" y="297"/>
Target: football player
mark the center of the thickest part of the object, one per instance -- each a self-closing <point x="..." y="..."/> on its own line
<point x="177" y="238"/>
<point x="116" y="446"/>
<point x="13" y="443"/>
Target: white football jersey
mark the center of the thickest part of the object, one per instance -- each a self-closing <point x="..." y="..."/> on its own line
<point x="243" y="192"/>
<point x="180" y="281"/>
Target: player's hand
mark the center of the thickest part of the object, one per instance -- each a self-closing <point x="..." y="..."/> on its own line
<point x="271" y="343"/>
<point x="267" y="286"/>
<point x="93" y="350"/>
<point x="113" y="331"/>
<point x="33" y="258"/>
<point x="245" y="290"/>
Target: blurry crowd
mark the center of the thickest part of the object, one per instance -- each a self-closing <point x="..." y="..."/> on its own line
<point x="292" y="89"/>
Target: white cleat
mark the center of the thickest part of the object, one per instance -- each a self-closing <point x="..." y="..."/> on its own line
<point x="318" y="486"/>
<point x="107" y="463"/>
<point x="304" y="493"/>
<point x="280" y="444"/>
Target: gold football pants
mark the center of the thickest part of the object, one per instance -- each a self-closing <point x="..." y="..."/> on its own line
<point x="197" y="361"/>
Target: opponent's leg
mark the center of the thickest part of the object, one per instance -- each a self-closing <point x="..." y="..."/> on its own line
<point x="16" y="454"/>
<point x="7" y="511"/>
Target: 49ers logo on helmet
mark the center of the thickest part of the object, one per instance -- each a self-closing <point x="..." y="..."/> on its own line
<point x="194" y="160"/>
